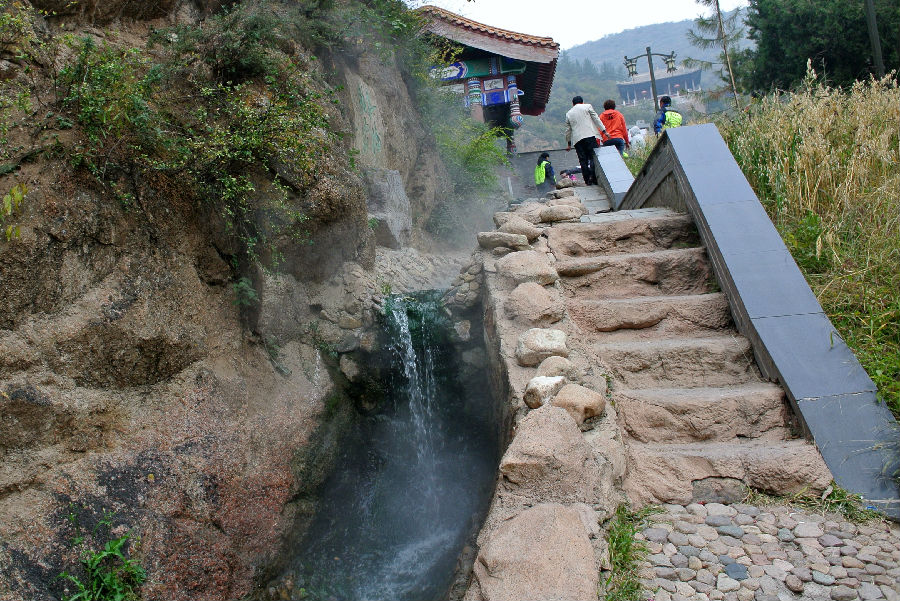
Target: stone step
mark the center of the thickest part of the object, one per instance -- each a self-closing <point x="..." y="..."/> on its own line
<point x="684" y="415"/>
<point x="659" y="231"/>
<point x="662" y="273"/>
<point x="652" y="316"/>
<point x="675" y="473"/>
<point x="680" y="362"/>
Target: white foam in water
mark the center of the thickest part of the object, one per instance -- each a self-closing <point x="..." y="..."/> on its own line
<point x="412" y="485"/>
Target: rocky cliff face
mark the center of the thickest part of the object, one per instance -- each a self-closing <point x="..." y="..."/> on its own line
<point x="131" y="382"/>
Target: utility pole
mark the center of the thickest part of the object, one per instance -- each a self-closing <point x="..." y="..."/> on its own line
<point x="631" y="65"/>
<point x="874" y="37"/>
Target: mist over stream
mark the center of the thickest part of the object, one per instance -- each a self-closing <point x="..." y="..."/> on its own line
<point x="414" y="480"/>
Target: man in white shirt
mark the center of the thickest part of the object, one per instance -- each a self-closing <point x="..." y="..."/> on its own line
<point x="583" y="124"/>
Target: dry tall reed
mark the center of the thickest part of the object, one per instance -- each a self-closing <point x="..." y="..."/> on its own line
<point x="825" y="163"/>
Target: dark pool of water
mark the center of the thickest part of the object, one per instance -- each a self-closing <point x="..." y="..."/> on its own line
<point x="413" y="482"/>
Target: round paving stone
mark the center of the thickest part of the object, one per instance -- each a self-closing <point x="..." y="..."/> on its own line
<point x="852" y="562"/>
<point x="823" y="579"/>
<point x="689" y="551"/>
<point x="730" y="541"/>
<point x="726" y="559"/>
<point x="869" y="592"/>
<point x="678" y="539"/>
<point x="785" y="535"/>
<point x="657" y="535"/>
<point x="716" y="520"/>
<point x="808" y="530"/>
<point x="719" y="509"/>
<point x="685" y="574"/>
<point x="695" y="540"/>
<point x="745" y="594"/>
<point x="685" y="527"/>
<point x="679" y="561"/>
<point x="726" y="584"/>
<point x="804" y="574"/>
<point x="666" y="573"/>
<point x="830" y="540"/>
<point x="705" y="576"/>
<point x="736" y="571"/>
<point x="735" y="531"/>
<point x="694" y="563"/>
<point x="793" y="583"/>
<point x="743" y="520"/>
<point x="843" y="593"/>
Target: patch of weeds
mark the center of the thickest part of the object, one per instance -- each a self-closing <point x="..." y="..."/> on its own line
<point x="834" y="499"/>
<point x="10" y="208"/>
<point x="373" y="223"/>
<point x="328" y="350"/>
<point x="245" y="294"/>
<point x="626" y="555"/>
<point x="107" y="572"/>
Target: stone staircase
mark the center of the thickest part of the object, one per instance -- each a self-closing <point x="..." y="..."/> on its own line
<point x="697" y="416"/>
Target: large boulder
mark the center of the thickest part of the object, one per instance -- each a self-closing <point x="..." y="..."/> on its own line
<point x="527" y="266"/>
<point x="560" y="213"/>
<point x="537" y="344"/>
<point x="516" y="225"/>
<point x="541" y="389"/>
<point x="534" y="304"/>
<point x="549" y="460"/>
<point x="542" y="554"/>
<point x="558" y="366"/>
<point x="502" y="239"/>
<point x="581" y="403"/>
<point x="530" y="211"/>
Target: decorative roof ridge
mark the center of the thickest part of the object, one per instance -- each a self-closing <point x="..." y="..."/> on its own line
<point x="460" y="21"/>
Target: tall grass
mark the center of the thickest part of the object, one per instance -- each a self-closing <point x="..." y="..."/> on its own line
<point x="825" y="162"/>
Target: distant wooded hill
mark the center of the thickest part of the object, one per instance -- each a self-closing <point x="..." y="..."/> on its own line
<point x="661" y="37"/>
<point x="591" y="70"/>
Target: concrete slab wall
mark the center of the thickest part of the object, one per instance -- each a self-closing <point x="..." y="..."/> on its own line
<point x="691" y="169"/>
<point x="613" y="174"/>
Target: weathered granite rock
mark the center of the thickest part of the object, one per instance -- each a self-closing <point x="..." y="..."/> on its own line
<point x="562" y="193"/>
<point x="516" y="225"/>
<point x="560" y="213"/>
<point x="549" y="460"/>
<point x="564" y="182"/>
<point x="581" y="403"/>
<point x="502" y="239"/>
<point x="389" y="205"/>
<point x="558" y="366"/>
<point x="541" y="389"/>
<point x="533" y="304"/>
<point x="527" y="266"/>
<point x="537" y="344"/>
<point x="543" y="553"/>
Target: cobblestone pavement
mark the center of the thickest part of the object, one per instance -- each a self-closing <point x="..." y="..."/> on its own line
<point x="769" y="553"/>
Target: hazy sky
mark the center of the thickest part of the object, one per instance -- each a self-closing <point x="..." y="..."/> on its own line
<point x="572" y="22"/>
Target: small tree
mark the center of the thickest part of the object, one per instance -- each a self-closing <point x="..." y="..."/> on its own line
<point x="717" y="31"/>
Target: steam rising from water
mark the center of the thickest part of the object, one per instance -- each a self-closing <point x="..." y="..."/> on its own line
<point x="414" y="481"/>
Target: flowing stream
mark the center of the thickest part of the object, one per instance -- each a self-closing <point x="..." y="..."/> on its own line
<point x="413" y="482"/>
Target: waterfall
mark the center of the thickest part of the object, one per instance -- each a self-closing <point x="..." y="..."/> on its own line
<point x="414" y="480"/>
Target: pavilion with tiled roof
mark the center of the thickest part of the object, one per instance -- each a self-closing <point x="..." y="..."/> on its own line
<point x="503" y="74"/>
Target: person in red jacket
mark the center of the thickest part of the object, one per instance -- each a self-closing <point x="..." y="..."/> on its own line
<point x="616" y="133"/>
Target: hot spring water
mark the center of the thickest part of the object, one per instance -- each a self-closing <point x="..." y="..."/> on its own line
<point x="414" y="480"/>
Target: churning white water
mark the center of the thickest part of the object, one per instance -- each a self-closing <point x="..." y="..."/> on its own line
<point x="413" y="482"/>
